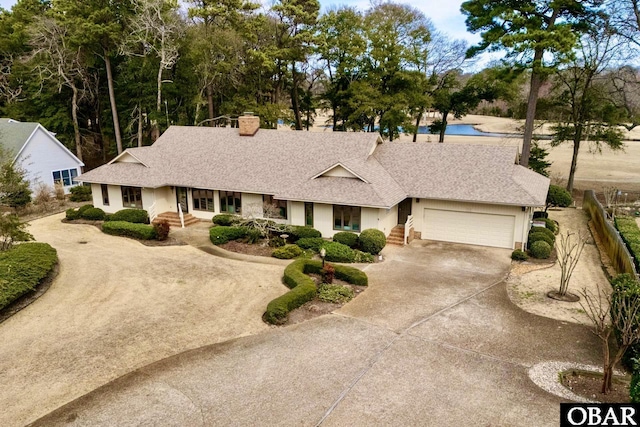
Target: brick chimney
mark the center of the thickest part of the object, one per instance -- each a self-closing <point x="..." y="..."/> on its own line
<point x="248" y="124"/>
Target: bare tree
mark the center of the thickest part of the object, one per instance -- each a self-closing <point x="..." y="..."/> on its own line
<point x="569" y="248"/>
<point x="156" y="28"/>
<point x="609" y="312"/>
<point x="56" y="60"/>
<point x="8" y="92"/>
<point x="609" y="195"/>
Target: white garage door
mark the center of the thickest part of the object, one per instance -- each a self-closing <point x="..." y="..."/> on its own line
<point x="469" y="227"/>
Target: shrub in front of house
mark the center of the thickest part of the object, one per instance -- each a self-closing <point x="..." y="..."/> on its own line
<point x="22" y="268"/>
<point x="343" y="272"/>
<point x="372" y="241"/>
<point x="93" y="214"/>
<point x="162" y="228"/>
<point x="336" y="294"/>
<point x="72" y="214"/>
<point x="297" y="232"/>
<point x="540" y="215"/>
<point x="83" y="208"/>
<point x="546" y="231"/>
<point x="551" y="225"/>
<point x="346" y="238"/>
<point x="337" y="252"/>
<point x="362" y="257"/>
<point x="302" y="287"/>
<point x="536" y="237"/>
<point x="80" y="193"/>
<point x="225" y="219"/>
<point x="136" y="216"/>
<point x="628" y="287"/>
<point x="222" y="234"/>
<point x="540" y="249"/>
<point x="558" y="196"/>
<point x="519" y="255"/>
<point x="129" y="229"/>
<point x="313" y="243"/>
<point x="287" y="252"/>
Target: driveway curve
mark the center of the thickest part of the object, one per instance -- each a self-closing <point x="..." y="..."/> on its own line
<point x="116" y="306"/>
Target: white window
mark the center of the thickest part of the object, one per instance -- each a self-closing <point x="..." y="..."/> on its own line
<point x="65" y="176"/>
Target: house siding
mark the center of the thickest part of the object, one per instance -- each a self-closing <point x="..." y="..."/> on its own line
<point x="323" y="219"/>
<point x="369" y="218"/>
<point x="41" y="156"/>
<point x="296" y="213"/>
<point x="388" y="219"/>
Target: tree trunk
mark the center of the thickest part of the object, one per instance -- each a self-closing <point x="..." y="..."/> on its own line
<point x="415" y="133"/>
<point x="606" y="379"/>
<point x="444" y="126"/>
<point x="295" y="101"/>
<point x="574" y="159"/>
<point x="139" y="125"/>
<point x="210" y="104"/>
<point x="76" y="127"/>
<point x="159" y="83"/>
<point x="112" y="100"/>
<point x="532" y="102"/>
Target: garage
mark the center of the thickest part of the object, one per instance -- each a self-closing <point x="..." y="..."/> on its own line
<point x="485" y="229"/>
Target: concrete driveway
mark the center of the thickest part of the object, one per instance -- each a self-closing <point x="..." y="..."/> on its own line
<point x="116" y="306"/>
<point x="434" y="341"/>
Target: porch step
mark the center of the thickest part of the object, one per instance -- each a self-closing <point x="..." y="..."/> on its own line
<point x="396" y="237"/>
<point x="174" y="219"/>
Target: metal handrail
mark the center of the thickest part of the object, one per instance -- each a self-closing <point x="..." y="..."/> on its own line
<point x="407" y="227"/>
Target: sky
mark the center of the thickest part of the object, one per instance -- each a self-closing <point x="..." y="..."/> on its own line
<point x="445" y="14"/>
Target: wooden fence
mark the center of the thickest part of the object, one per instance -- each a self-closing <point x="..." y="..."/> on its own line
<point x="614" y="246"/>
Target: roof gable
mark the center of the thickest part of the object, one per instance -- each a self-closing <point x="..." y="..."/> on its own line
<point x="340" y="171"/>
<point x="14" y="134"/>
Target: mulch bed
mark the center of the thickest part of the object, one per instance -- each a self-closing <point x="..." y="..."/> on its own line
<point x="26" y="300"/>
<point x="315" y="307"/>
<point x="247" y="249"/>
<point x="589" y="384"/>
<point x="170" y="241"/>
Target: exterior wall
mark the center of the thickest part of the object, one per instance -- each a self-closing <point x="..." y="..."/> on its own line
<point x="42" y="156"/>
<point x="368" y="218"/>
<point x="252" y="205"/>
<point x="115" y="198"/>
<point x="148" y="198"/>
<point x="388" y="219"/>
<point x="165" y="200"/>
<point x="296" y="213"/>
<point x="323" y="219"/>
<point x="521" y="217"/>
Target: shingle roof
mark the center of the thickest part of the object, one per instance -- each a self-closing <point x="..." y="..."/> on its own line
<point x="284" y="164"/>
<point x="14" y="134"/>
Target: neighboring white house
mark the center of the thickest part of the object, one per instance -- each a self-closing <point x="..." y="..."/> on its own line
<point x="333" y="181"/>
<point x="38" y="151"/>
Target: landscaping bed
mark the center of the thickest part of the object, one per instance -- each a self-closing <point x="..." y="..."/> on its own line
<point x="589" y="384"/>
<point x="247" y="248"/>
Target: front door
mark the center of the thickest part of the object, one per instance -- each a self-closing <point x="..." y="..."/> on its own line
<point x="182" y="199"/>
<point x="404" y="210"/>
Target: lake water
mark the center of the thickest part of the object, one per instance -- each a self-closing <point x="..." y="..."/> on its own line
<point x="461" y="129"/>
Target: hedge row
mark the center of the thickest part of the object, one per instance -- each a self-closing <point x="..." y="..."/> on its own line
<point x="630" y="234"/>
<point x="86" y="212"/>
<point x="137" y="216"/>
<point x="22" y="268"/>
<point x="303" y="289"/>
<point x="222" y="234"/>
<point x="129" y="229"/>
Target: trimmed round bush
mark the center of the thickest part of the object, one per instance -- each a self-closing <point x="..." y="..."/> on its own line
<point x="558" y="196"/>
<point x="313" y="243"/>
<point x="551" y="225"/>
<point x="129" y="229"/>
<point x="72" y="214"/>
<point x="93" y="214"/>
<point x="225" y="219"/>
<point x="303" y="232"/>
<point x="287" y="252"/>
<point x="80" y="193"/>
<point x="83" y="208"/>
<point x="362" y="257"/>
<point x="346" y="238"/>
<point x="547" y="232"/>
<point x="519" y="255"/>
<point x="136" y="216"/>
<point x="372" y="241"/>
<point x="537" y="237"/>
<point x="220" y="235"/>
<point x="540" y="250"/>
<point x="337" y="252"/>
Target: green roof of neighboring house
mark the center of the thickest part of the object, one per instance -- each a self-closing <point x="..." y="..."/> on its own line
<point x="14" y="134"/>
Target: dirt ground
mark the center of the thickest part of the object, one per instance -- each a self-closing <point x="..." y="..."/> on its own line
<point x="118" y="305"/>
<point x="529" y="283"/>
<point x="595" y="170"/>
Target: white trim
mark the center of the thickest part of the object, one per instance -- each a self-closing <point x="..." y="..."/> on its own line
<point x="130" y="154"/>
<point x="343" y="166"/>
<point x="53" y="138"/>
